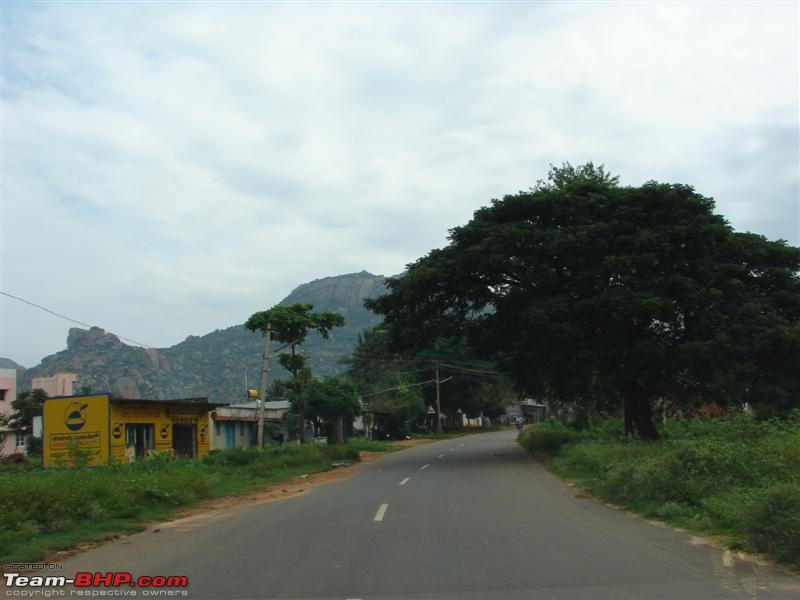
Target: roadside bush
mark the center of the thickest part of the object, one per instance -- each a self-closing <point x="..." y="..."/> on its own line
<point x="608" y="429"/>
<point x="33" y="445"/>
<point x="772" y="522"/>
<point x="546" y="438"/>
<point x="233" y="457"/>
<point x="738" y="477"/>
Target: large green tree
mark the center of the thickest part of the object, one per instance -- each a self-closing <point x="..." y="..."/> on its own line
<point x="291" y="325"/>
<point x="580" y="286"/>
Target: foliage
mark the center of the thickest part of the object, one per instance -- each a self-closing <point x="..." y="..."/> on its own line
<point x="27" y="406"/>
<point x="291" y="325"/>
<point x="33" y="445"/>
<point x="39" y="509"/>
<point x="772" y="522"/>
<point x="399" y="386"/>
<point x="589" y="292"/>
<point x="333" y="400"/>
<point x="738" y="477"/>
<point x="76" y="456"/>
<point x="546" y="437"/>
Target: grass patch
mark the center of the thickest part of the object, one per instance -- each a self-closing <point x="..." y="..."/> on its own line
<point x="364" y="445"/>
<point x="737" y="478"/>
<point x="46" y="510"/>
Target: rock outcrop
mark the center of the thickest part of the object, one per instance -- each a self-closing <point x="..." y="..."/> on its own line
<point x="215" y="364"/>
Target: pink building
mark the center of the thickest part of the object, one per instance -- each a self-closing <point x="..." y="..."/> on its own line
<point x="59" y="384"/>
<point x="10" y="442"/>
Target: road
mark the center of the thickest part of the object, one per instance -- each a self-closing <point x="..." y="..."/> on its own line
<point x="468" y="518"/>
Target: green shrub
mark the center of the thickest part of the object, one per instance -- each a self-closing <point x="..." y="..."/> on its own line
<point x="772" y="522"/>
<point x="739" y="477"/>
<point x="233" y="457"/>
<point x="546" y="438"/>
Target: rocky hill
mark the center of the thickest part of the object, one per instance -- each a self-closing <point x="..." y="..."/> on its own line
<point x="214" y="364"/>
<point x="7" y="363"/>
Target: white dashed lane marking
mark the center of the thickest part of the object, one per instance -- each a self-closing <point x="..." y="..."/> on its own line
<point x="405" y="481"/>
<point x="381" y="512"/>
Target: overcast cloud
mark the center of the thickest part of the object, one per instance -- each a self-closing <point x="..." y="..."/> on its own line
<point x="170" y="168"/>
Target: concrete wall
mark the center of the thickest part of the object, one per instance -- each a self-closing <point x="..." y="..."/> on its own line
<point x="8" y="393"/>
<point x="232" y="434"/>
<point x="60" y="384"/>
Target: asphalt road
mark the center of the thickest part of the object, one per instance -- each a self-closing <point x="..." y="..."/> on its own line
<point x="472" y="518"/>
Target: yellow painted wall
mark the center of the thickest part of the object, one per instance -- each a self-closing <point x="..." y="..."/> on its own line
<point x="97" y="424"/>
<point x="75" y="425"/>
<point x="148" y="413"/>
<point x="162" y="417"/>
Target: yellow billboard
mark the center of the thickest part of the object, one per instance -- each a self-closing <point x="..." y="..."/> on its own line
<point x="75" y="430"/>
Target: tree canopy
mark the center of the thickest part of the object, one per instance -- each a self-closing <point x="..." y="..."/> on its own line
<point x="583" y="289"/>
<point x="291" y="325"/>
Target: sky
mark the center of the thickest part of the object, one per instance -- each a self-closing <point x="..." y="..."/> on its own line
<point x="169" y="168"/>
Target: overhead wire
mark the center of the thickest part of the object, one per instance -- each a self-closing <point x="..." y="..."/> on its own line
<point x="66" y="318"/>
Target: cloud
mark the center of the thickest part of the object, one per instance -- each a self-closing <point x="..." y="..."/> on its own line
<point x="170" y="168"/>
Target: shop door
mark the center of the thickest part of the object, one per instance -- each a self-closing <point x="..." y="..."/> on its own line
<point x="183" y="440"/>
<point x="138" y="440"/>
<point x="230" y="435"/>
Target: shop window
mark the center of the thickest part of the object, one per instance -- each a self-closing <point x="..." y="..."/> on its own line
<point x="138" y="440"/>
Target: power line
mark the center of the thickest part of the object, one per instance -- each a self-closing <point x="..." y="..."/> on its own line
<point x="468" y="370"/>
<point x="73" y="320"/>
<point x="402" y="387"/>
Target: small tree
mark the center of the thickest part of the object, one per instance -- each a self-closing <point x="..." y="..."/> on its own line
<point x="291" y="325"/>
<point x="27" y="406"/>
<point x="335" y="401"/>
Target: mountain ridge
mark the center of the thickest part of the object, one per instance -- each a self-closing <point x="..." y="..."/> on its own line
<point x="215" y="364"/>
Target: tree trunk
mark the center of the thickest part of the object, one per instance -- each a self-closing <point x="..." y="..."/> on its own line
<point x="630" y="430"/>
<point x="639" y="415"/>
<point x="339" y="430"/>
<point x="644" y="421"/>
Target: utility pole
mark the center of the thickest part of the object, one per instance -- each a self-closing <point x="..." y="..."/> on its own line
<point x="438" y="403"/>
<point x="262" y="392"/>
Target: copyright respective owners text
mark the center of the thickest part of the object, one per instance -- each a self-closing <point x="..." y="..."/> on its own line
<point x="45" y="580"/>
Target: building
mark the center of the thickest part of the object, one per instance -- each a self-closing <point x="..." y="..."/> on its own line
<point x="10" y="442"/>
<point x="236" y="425"/>
<point x="533" y="411"/>
<point x="101" y="429"/>
<point x="60" y="384"/>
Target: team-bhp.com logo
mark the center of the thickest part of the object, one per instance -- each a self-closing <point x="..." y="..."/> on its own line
<point x="152" y="586"/>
